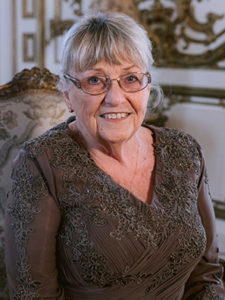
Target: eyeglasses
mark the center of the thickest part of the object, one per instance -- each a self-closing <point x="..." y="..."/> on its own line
<point x="96" y="85"/>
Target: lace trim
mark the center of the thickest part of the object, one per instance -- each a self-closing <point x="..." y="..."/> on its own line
<point x="174" y="210"/>
<point x="22" y="211"/>
<point x="209" y="293"/>
<point x="177" y="157"/>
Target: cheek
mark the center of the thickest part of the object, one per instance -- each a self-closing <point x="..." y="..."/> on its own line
<point x="79" y="104"/>
<point x="87" y="113"/>
<point x="143" y="102"/>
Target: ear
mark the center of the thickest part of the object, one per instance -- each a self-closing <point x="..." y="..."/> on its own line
<point x="67" y="100"/>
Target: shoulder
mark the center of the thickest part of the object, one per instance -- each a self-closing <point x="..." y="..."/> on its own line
<point x="53" y="138"/>
<point x="174" y="138"/>
<point x="177" y="148"/>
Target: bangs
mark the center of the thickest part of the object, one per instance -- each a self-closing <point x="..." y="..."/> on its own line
<point x="112" y="53"/>
<point x="114" y="39"/>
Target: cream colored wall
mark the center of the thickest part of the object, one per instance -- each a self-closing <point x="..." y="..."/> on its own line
<point x="5" y="41"/>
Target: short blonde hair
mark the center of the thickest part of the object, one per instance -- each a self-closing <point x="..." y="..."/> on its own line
<point x="109" y="36"/>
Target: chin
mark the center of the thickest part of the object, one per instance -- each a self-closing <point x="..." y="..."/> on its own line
<point x="116" y="138"/>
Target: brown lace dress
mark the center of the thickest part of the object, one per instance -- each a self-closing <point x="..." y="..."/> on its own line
<point x="73" y="233"/>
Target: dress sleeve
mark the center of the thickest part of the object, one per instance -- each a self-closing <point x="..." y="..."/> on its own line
<point x="32" y="221"/>
<point x="205" y="281"/>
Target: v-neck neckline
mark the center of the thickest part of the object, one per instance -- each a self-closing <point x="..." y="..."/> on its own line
<point x="151" y="197"/>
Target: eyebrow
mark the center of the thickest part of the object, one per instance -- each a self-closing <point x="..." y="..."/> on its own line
<point x="100" y="69"/>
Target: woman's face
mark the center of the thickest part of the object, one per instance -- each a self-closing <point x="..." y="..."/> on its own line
<point x="112" y="117"/>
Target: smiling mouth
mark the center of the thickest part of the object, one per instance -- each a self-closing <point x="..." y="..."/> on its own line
<point x="115" y="115"/>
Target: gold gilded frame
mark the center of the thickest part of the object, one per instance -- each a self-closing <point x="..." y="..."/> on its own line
<point x="163" y="30"/>
<point x="163" y="27"/>
<point x="26" y="13"/>
<point x="29" y="38"/>
<point x="14" y="37"/>
<point x="41" y="32"/>
<point x="39" y="50"/>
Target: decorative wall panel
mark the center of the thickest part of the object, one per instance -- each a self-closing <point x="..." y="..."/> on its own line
<point x="183" y="34"/>
<point x="188" y="39"/>
<point x="183" y="39"/>
<point x="25" y="35"/>
<point x="29" y="48"/>
<point x="28" y="9"/>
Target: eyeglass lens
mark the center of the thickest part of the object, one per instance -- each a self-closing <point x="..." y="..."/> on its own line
<point x="95" y="85"/>
<point x="130" y="83"/>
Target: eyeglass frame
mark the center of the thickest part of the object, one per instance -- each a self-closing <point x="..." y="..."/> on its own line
<point x="77" y="83"/>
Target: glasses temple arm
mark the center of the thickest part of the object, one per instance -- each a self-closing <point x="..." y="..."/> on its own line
<point x="74" y="80"/>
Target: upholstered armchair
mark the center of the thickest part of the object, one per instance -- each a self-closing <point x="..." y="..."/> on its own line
<point x="29" y="105"/>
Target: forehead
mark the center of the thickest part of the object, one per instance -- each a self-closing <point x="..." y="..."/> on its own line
<point x="108" y="68"/>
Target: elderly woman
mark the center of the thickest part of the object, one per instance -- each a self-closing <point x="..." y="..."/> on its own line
<point x="103" y="206"/>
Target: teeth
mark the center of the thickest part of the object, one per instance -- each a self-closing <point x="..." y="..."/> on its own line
<point x="115" y="116"/>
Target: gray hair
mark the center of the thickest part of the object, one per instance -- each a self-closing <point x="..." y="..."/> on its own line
<point x="105" y="36"/>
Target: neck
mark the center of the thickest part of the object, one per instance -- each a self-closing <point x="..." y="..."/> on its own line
<point x="122" y="152"/>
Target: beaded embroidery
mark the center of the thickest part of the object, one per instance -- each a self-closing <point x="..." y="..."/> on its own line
<point x="91" y="197"/>
<point x="22" y="211"/>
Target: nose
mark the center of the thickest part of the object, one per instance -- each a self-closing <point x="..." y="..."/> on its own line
<point x="115" y="94"/>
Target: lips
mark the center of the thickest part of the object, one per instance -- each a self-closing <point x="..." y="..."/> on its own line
<point x="114" y="115"/>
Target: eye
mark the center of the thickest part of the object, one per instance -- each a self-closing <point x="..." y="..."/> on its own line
<point x="131" y="78"/>
<point x="93" y="80"/>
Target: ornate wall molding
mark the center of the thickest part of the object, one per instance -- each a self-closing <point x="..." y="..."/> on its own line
<point x="29" y="43"/>
<point x="14" y="38"/>
<point x="41" y="23"/>
<point x="169" y="29"/>
<point x="219" y="208"/>
<point x="168" y="26"/>
<point x="181" y="94"/>
<point x="59" y="26"/>
<point x="173" y="26"/>
<point x="28" y="8"/>
<point x="76" y="6"/>
<point x="27" y="34"/>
